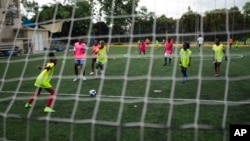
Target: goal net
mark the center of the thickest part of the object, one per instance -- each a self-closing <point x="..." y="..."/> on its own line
<point x="141" y="94"/>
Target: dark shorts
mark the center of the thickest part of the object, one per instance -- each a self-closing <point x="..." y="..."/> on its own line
<point x="79" y="62"/>
<point x="93" y="59"/>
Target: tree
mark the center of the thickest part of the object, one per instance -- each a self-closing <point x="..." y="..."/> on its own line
<point x="246" y="9"/>
<point x="76" y="20"/>
<point x="30" y="7"/>
<point x="162" y="25"/>
<point x="190" y="24"/>
<point x="246" y="13"/>
<point x="120" y="18"/>
<point x="100" y="29"/>
<point x="235" y="21"/>
<point x="119" y="13"/>
<point x="190" y="21"/>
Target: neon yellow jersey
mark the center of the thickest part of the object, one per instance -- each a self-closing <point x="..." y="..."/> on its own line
<point x="218" y="51"/>
<point x="185" y="57"/>
<point x="102" y="55"/>
<point x="43" y="79"/>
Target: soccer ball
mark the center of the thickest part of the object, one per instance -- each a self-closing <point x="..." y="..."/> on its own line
<point x="92" y="92"/>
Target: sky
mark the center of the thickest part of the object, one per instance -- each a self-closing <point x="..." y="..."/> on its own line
<point x="175" y="8"/>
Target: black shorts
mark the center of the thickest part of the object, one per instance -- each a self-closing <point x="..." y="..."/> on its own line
<point x="93" y="59"/>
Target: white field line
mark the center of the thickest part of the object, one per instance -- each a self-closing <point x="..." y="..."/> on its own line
<point x="130" y="99"/>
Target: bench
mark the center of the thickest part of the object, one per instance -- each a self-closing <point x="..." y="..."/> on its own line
<point x="9" y="50"/>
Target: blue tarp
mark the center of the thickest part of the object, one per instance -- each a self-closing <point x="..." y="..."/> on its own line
<point x="28" y="23"/>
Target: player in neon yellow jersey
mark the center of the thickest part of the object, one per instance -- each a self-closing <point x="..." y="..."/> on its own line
<point x="156" y="44"/>
<point x="43" y="82"/>
<point x="218" y="51"/>
<point x="185" y="60"/>
<point x="237" y="43"/>
<point x="101" y="58"/>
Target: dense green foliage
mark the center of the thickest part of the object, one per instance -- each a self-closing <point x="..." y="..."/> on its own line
<point x="122" y="18"/>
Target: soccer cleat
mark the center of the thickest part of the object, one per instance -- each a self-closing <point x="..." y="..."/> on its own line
<point x="92" y="73"/>
<point x="27" y="105"/>
<point x="83" y="78"/>
<point x="48" y="110"/>
<point x="75" y="79"/>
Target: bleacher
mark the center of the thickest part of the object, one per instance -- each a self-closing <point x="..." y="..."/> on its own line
<point x="9" y="50"/>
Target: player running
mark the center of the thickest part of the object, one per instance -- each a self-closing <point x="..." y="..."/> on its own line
<point x="43" y="82"/>
<point x="79" y="55"/>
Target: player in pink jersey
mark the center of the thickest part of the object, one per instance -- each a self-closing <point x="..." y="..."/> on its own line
<point x="79" y="55"/>
<point x="142" y="47"/>
<point x="94" y="56"/>
<point x="168" y="52"/>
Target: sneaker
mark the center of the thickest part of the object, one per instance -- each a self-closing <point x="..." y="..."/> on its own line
<point x="48" y="110"/>
<point x="96" y="76"/>
<point x="75" y="79"/>
<point x="92" y="73"/>
<point x="184" y="79"/>
<point x="27" y="105"/>
<point x="216" y="75"/>
<point x="102" y="76"/>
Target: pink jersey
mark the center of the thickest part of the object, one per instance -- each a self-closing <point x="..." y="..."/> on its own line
<point x="94" y="49"/>
<point x="79" y="51"/>
<point x="168" y="47"/>
<point x="142" y="46"/>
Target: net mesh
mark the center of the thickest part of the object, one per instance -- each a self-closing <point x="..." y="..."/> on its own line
<point x="138" y="98"/>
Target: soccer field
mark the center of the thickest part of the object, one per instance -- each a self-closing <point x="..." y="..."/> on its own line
<point x="139" y="99"/>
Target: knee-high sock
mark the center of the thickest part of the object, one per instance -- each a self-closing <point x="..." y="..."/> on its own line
<point x="169" y="60"/>
<point x="37" y="93"/>
<point x="50" y="100"/>
<point x="96" y="72"/>
<point x="76" y="70"/>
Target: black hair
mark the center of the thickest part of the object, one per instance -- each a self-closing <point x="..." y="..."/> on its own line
<point x="52" y="57"/>
<point x="187" y="44"/>
<point x="80" y="40"/>
<point x="51" y="54"/>
<point x="169" y="39"/>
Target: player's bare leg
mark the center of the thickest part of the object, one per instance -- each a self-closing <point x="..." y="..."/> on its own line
<point x="76" y="67"/>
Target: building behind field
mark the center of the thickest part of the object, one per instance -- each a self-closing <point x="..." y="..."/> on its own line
<point x="14" y="34"/>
